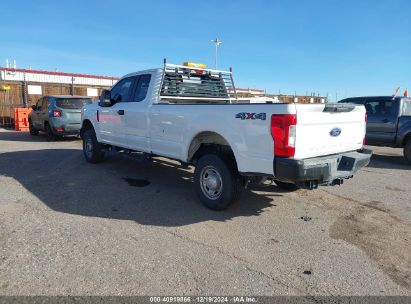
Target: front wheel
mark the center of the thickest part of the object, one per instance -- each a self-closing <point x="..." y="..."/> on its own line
<point x="217" y="182"/>
<point x="92" y="149"/>
<point x="32" y="130"/>
<point x="407" y="151"/>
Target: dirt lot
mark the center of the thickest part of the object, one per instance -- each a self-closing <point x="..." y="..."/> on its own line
<point x="136" y="228"/>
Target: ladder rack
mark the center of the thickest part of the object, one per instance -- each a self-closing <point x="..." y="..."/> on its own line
<point x="181" y="84"/>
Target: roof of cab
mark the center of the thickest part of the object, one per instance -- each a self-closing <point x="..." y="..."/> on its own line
<point x="143" y="72"/>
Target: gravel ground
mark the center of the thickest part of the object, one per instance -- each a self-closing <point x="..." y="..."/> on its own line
<point x="128" y="227"/>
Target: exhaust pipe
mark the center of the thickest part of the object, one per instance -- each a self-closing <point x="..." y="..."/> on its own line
<point x="338" y="181"/>
<point x="310" y="185"/>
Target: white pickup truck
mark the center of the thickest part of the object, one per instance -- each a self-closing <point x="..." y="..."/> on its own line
<point x="190" y="114"/>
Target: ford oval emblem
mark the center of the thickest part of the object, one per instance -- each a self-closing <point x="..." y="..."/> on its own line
<point x="335" y="132"/>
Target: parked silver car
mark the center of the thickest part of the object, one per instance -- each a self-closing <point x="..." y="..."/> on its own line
<point x="57" y="115"/>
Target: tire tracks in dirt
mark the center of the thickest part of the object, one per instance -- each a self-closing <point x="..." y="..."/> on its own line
<point x="373" y="228"/>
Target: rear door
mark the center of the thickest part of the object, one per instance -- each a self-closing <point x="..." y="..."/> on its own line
<point x="44" y="112"/>
<point x="382" y="120"/>
<point x="324" y="132"/>
<point x="135" y="112"/>
<point x="112" y="119"/>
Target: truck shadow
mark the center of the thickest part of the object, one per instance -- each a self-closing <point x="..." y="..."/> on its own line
<point x="397" y="162"/>
<point x="149" y="193"/>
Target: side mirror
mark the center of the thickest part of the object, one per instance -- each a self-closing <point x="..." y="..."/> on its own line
<point x="105" y="99"/>
<point x="34" y="107"/>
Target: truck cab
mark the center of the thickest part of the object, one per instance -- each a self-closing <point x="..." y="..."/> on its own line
<point x="389" y="121"/>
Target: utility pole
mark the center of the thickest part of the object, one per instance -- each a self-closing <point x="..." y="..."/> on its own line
<point x="217" y="43"/>
<point x="24" y="87"/>
<point x="72" y="86"/>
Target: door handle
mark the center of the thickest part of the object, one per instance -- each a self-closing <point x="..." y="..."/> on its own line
<point x="386" y="120"/>
<point x="120" y="112"/>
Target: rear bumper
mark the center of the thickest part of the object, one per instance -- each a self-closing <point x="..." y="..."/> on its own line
<point x="66" y="129"/>
<point x="325" y="170"/>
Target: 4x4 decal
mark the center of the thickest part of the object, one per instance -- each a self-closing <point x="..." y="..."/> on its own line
<point x="253" y="116"/>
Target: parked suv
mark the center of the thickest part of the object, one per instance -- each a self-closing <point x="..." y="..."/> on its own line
<point x="57" y="115"/>
<point x="389" y="121"/>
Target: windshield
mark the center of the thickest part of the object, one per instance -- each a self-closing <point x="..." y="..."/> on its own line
<point x="72" y="103"/>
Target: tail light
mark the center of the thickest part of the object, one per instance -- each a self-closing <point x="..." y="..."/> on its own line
<point x="283" y="131"/>
<point x="56" y="113"/>
<point x="365" y="129"/>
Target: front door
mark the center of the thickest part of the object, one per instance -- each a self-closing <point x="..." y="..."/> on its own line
<point x="44" y="114"/>
<point x="382" y="121"/>
<point x="112" y="119"/>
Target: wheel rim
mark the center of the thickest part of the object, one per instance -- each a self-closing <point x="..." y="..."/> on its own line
<point x="88" y="146"/>
<point x="211" y="182"/>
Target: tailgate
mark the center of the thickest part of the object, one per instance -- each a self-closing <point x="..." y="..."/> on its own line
<point x="328" y="129"/>
<point x="72" y="115"/>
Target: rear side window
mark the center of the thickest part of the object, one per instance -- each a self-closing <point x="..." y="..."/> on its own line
<point x="72" y="103"/>
<point x="141" y="90"/>
<point x="406" y="107"/>
<point x="384" y="107"/>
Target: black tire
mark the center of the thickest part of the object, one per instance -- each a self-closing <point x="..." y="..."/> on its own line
<point x="49" y="133"/>
<point x="92" y="149"/>
<point x="229" y="184"/>
<point x="407" y="151"/>
<point x="286" y="186"/>
<point x="32" y="130"/>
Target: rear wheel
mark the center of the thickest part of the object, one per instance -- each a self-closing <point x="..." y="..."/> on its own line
<point x="32" y="130"/>
<point x="286" y="186"/>
<point x="92" y="149"/>
<point x="217" y="181"/>
<point x="49" y="133"/>
<point x="407" y="151"/>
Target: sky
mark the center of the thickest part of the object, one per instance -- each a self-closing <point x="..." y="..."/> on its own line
<point x="340" y="48"/>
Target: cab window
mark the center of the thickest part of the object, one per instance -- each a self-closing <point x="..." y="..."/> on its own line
<point x="121" y="91"/>
<point x="383" y="107"/>
<point x="142" y="86"/>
